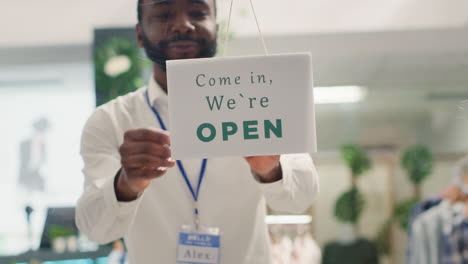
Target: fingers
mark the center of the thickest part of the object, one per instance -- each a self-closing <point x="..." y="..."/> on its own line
<point x="147" y="174"/>
<point x="145" y="155"/>
<point x="143" y="134"/>
<point x="139" y="147"/>
<point x="145" y="161"/>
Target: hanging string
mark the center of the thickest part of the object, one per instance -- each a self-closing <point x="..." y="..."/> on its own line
<point x="258" y="26"/>
<point x="226" y="38"/>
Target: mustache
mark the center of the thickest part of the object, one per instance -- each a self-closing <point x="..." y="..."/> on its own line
<point x="155" y="51"/>
<point x="164" y="43"/>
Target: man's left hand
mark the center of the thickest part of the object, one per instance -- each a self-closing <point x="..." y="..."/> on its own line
<point x="266" y="168"/>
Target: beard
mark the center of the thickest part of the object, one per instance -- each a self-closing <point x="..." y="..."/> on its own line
<point x="155" y="51"/>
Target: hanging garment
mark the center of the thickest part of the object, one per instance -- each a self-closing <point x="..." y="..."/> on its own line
<point x="455" y="245"/>
<point x="416" y="211"/>
<point x="438" y="236"/>
<point x="454" y="239"/>
<point x="281" y="250"/>
<point x="426" y="233"/>
<point x="423" y="207"/>
<point x="306" y="250"/>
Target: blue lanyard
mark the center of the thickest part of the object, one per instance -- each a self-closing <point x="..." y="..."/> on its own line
<point x="196" y="192"/>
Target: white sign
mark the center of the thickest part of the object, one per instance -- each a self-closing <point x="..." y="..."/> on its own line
<point x="241" y="106"/>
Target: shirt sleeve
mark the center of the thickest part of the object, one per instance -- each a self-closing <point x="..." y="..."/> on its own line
<point x="298" y="188"/>
<point x="98" y="213"/>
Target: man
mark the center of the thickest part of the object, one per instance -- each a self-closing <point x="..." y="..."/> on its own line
<point x="133" y="189"/>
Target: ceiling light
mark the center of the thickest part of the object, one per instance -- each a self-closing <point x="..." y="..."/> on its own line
<point x="339" y="94"/>
<point x="288" y="219"/>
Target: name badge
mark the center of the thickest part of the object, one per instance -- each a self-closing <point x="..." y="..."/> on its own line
<point x="198" y="246"/>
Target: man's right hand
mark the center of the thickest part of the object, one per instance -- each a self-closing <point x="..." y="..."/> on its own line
<point x="145" y="155"/>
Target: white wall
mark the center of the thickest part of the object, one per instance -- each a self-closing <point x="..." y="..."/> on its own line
<point x="66" y="100"/>
<point x="55" y="22"/>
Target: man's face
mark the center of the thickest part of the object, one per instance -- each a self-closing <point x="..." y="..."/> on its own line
<point x="177" y="29"/>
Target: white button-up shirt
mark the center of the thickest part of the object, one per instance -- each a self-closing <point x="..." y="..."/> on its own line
<point x="230" y="197"/>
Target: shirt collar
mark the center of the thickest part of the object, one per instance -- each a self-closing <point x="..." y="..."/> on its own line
<point x="156" y="94"/>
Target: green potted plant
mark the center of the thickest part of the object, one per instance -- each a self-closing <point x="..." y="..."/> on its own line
<point x="418" y="162"/>
<point x="58" y="236"/>
<point x="349" y="205"/>
<point x="117" y="69"/>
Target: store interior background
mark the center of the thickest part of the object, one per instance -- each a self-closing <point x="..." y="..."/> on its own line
<point x="410" y="55"/>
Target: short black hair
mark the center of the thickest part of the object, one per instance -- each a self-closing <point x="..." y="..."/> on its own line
<point x="140" y="9"/>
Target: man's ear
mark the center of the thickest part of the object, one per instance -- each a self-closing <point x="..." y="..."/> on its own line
<point x="138" y="34"/>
